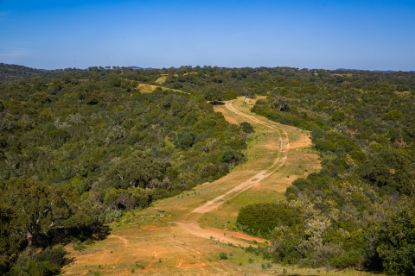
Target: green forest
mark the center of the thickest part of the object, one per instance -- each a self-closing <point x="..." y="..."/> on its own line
<point x="80" y="147"/>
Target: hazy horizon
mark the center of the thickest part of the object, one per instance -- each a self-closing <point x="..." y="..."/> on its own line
<point x="359" y="35"/>
<point x="202" y="66"/>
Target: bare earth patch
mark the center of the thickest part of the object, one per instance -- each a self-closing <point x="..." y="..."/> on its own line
<point x="145" y="88"/>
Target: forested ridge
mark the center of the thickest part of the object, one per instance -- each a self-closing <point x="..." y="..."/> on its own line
<point x="78" y="147"/>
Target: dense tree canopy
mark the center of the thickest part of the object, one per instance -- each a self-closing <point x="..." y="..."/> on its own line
<point x="77" y="148"/>
<point x="356" y="207"/>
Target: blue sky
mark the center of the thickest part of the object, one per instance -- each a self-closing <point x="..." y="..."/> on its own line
<point x="358" y="34"/>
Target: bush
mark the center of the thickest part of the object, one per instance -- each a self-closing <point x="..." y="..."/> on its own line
<point x="127" y="199"/>
<point x="246" y="127"/>
<point x="231" y="156"/>
<point x="286" y="243"/>
<point x="262" y="218"/>
<point x="223" y="256"/>
<point x="390" y="169"/>
<point x="185" y="139"/>
<point x="48" y="262"/>
<point x="393" y="244"/>
<point x="347" y="259"/>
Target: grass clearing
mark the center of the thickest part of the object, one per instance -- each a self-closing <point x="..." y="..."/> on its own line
<point x="145" y="88"/>
<point x="162" y="79"/>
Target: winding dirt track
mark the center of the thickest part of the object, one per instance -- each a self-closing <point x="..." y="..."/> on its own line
<point x="237" y="238"/>
<point x="168" y="238"/>
<point x="278" y="163"/>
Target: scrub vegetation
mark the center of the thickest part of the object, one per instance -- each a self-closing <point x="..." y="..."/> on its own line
<point x="358" y="211"/>
<point x="78" y="148"/>
<point x="76" y="152"/>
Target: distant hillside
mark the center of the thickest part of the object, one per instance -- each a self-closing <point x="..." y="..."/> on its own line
<point x="10" y="72"/>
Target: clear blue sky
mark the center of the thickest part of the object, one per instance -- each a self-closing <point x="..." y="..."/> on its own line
<point x="359" y="34"/>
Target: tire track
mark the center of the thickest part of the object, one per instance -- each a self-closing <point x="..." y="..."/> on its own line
<point x="278" y="163"/>
<point x="193" y="226"/>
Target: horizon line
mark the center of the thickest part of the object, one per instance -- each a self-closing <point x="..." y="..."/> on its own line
<point x="112" y="67"/>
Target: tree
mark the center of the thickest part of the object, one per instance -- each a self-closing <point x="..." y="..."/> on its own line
<point x="393" y="243"/>
<point x="214" y="93"/>
<point x="280" y="104"/>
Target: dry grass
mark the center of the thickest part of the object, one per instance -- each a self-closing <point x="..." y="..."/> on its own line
<point x="190" y="73"/>
<point x="146" y="88"/>
<point x="162" y="79"/>
<point x="347" y="75"/>
<point x="150" y="88"/>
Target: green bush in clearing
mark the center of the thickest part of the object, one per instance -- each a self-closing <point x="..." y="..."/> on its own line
<point x="246" y="127"/>
<point x="261" y="219"/>
<point x="223" y="256"/>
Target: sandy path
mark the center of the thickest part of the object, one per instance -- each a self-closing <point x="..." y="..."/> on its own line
<point x="279" y="162"/>
<point x="227" y="237"/>
<point x="124" y="240"/>
<point x="219" y="200"/>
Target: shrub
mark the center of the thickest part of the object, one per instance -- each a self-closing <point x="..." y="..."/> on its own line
<point x="262" y="218"/>
<point x="185" y="139"/>
<point x="350" y="258"/>
<point x="223" y="256"/>
<point x="246" y="127"/>
<point x="231" y="156"/>
<point x="392" y="247"/>
<point x="48" y="262"/>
